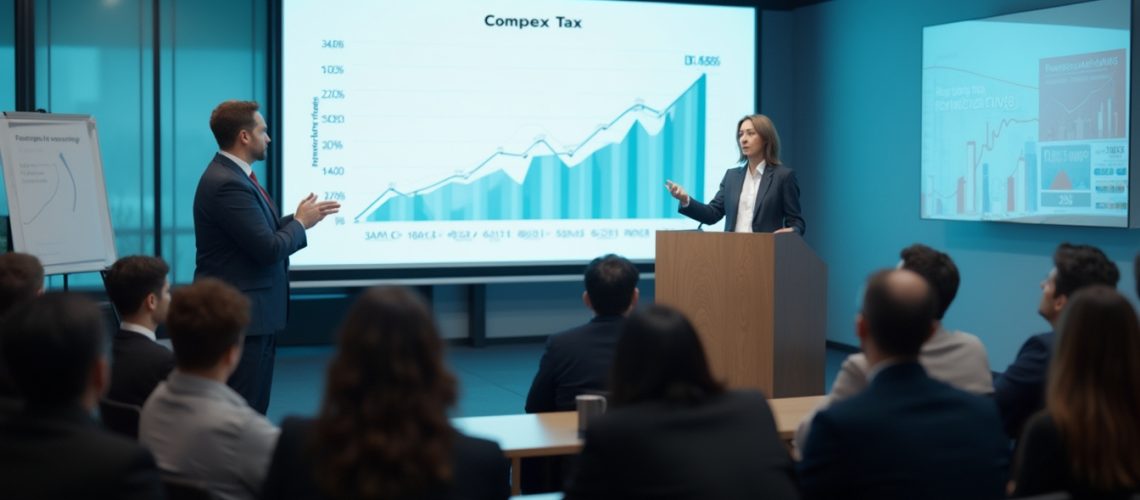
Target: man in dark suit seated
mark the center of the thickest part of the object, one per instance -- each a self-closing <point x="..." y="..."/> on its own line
<point x="906" y="435"/>
<point x="1020" y="391"/>
<point x="140" y="291"/>
<point x="54" y="347"/>
<point x="578" y="360"/>
<point x="21" y="280"/>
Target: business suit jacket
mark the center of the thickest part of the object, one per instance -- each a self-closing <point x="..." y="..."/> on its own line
<point x="480" y="470"/>
<point x="724" y="448"/>
<point x="576" y="361"/>
<point x="138" y="364"/>
<point x="777" y="203"/>
<point x="957" y="358"/>
<point x="906" y="436"/>
<point x="1043" y="464"/>
<point x="1020" y="391"/>
<point x="62" y="453"/>
<point x="242" y="241"/>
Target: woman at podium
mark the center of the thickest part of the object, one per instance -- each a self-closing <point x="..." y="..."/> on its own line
<point x="759" y="195"/>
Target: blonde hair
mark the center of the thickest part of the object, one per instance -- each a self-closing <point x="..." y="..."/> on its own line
<point x="767" y="131"/>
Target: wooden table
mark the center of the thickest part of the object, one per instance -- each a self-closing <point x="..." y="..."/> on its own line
<point x="551" y="434"/>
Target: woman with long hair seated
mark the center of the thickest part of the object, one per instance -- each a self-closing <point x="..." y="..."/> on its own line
<point x="673" y="431"/>
<point x="383" y="430"/>
<point x="1087" y="441"/>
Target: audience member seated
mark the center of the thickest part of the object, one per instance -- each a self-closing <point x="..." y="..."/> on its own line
<point x="1087" y="442"/>
<point x="140" y="291"/>
<point x="673" y="432"/>
<point x="194" y="423"/>
<point x="21" y="279"/>
<point x="906" y="435"/>
<point x="578" y="360"/>
<point x="1020" y="391"/>
<point x="55" y="350"/>
<point x="383" y="430"/>
<point x="957" y="358"/>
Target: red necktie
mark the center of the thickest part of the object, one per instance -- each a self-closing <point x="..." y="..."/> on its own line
<point x="253" y="175"/>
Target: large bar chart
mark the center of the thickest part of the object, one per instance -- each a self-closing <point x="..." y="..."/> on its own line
<point x="504" y="132"/>
<point x="618" y="181"/>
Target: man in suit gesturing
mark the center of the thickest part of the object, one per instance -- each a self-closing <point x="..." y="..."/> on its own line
<point x="243" y="240"/>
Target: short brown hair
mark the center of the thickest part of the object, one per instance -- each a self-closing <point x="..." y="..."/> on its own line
<point x="21" y="278"/>
<point x="230" y="118"/>
<point x="205" y="320"/>
<point x="767" y="131"/>
<point x="131" y="279"/>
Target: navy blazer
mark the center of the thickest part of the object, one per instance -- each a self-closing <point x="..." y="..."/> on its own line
<point x="777" y="203"/>
<point x="576" y="361"/>
<point x="242" y="241"/>
<point x="906" y="436"/>
<point x="1020" y="391"/>
<point x="479" y="469"/>
<point x="724" y="448"/>
<point x="138" y="364"/>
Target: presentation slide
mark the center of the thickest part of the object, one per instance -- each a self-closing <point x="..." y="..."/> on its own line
<point x="1025" y="118"/>
<point x="522" y="132"/>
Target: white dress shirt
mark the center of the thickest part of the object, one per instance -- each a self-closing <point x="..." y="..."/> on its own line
<point x="240" y="163"/>
<point x="139" y="329"/>
<point x="746" y="210"/>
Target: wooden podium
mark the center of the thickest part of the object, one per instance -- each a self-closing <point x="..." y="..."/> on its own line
<point x="758" y="301"/>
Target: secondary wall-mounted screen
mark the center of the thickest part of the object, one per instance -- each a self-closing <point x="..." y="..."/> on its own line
<point x="1025" y="117"/>
<point x="473" y="133"/>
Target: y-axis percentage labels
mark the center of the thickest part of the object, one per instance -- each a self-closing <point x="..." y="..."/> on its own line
<point x="334" y="195"/>
<point x="332" y="44"/>
<point x="332" y="145"/>
<point x="332" y="69"/>
<point x="332" y="94"/>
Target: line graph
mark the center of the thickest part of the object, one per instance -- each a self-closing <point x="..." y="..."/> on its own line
<point x="612" y="182"/>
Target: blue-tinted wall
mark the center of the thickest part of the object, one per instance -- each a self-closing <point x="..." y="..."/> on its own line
<point x="847" y="101"/>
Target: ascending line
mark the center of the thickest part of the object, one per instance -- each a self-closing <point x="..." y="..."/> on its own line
<point x="526" y="152"/>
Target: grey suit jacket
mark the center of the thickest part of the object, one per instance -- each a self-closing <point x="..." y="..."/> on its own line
<point x="203" y="430"/>
<point x="956" y="358"/>
<point x="777" y="203"/>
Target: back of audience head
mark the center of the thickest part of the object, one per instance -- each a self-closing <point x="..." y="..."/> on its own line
<point x="206" y="323"/>
<point x="897" y="315"/>
<point x="21" y="279"/>
<point x="937" y="269"/>
<point x="1074" y="267"/>
<point x="138" y="284"/>
<point x="611" y="285"/>
<point x="660" y="358"/>
<point x="383" y="430"/>
<point x="1093" y="394"/>
<point x="55" y="350"/>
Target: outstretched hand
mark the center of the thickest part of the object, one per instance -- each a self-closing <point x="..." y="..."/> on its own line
<point x="310" y="211"/>
<point x="677" y="192"/>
